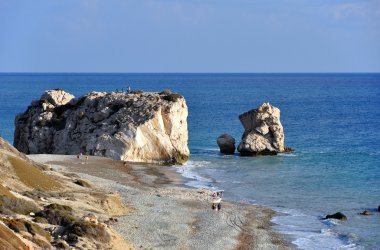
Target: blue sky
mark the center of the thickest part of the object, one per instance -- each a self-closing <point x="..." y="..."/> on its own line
<point x="189" y="36"/>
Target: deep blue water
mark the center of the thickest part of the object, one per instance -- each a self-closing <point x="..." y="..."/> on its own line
<point x="332" y="120"/>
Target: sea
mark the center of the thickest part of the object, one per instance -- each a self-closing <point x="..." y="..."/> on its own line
<point x="331" y="120"/>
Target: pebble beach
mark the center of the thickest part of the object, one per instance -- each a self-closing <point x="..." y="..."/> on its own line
<point x="164" y="214"/>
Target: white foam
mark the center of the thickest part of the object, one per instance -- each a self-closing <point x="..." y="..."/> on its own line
<point x="287" y="154"/>
<point x="187" y="171"/>
<point x="308" y="232"/>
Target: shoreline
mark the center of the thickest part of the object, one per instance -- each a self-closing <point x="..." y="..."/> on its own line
<point x="167" y="214"/>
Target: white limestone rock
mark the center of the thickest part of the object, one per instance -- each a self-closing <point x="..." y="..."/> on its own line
<point x="57" y="97"/>
<point x="137" y="126"/>
<point x="264" y="134"/>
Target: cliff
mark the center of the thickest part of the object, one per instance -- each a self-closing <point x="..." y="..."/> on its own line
<point x="131" y="126"/>
<point x="44" y="209"/>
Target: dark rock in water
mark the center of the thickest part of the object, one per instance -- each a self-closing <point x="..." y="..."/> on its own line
<point x="338" y="216"/>
<point x="378" y="208"/>
<point x="365" y="212"/>
<point x="226" y="144"/>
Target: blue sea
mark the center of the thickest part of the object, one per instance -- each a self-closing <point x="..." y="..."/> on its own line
<point x="332" y="121"/>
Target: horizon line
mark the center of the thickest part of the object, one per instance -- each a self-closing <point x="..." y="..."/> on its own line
<point x="67" y="72"/>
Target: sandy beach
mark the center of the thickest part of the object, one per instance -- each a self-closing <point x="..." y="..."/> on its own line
<point x="164" y="214"/>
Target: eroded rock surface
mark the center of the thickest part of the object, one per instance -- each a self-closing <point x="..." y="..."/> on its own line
<point x="132" y="126"/>
<point x="226" y="144"/>
<point x="264" y="134"/>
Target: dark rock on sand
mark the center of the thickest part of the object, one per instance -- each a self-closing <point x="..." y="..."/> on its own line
<point x="338" y="216"/>
<point x="226" y="144"/>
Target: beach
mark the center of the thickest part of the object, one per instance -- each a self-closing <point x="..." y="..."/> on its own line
<point x="164" y="214"/>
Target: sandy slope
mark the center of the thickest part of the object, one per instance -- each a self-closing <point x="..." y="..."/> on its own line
<point x="45" y="209"/>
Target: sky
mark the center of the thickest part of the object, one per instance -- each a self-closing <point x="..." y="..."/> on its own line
<point x="189" y="36"/>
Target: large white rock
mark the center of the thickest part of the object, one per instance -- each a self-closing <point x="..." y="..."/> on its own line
<point x="137" y="126"/>
<point x="263" y="133"/>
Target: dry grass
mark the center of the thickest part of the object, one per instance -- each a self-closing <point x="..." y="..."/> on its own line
<point x="8" y="240"/>
<point x="5" y="192"/>
<point x="89" y="230"/>
<point x="32" y="176"/>
<point x="40" y="236"/>
<point x="58" y="215"/>
<point x="113" y="205"/>
<point x="12" y="205"/>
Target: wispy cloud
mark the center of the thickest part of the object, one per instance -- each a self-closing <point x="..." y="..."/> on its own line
<point x="360" y="9"/>
<point x="347" y="9"/>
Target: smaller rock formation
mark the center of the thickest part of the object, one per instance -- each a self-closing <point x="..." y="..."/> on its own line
<point x="226" y="144"/>
<point x="264" y="134"/>
<point x="365" y="212"/>
<point x="337" y="216"/>
<point x="378" y="208"/>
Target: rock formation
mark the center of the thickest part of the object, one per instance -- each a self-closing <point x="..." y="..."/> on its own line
<point x="264" y="134"/>
<point x="226" y="144"/>
<point x="365" y="212"/>
<point x="337" y="216"/>
<point x="33" y="201"/>
<point x="131" y="126"/>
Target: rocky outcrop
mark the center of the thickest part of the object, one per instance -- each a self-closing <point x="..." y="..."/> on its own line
<point x="226" y="144"/>
<point x="33" y="201"/>
<point x="337" y="216"/>
<point x="131" y="126"/>
<point x="365" y="212"/>
<point x="264" y="134"/>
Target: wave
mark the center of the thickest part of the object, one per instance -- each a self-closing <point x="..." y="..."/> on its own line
<point x="303" y="231"/>
<point x="188" y="171"/>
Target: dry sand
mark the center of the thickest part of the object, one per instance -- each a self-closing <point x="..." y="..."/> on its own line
<point x="166" y="215"/>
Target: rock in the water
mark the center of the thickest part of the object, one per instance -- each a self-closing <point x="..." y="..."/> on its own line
<point x="136" y="126"/>
<point x="264" y="134"/>
<point x="365" y="212"/>
<point x="378" y="208"/>
<point x="338" y="216"/>
<point x="226" y="144"/>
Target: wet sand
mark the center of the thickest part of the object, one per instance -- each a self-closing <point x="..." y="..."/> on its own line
<point x="167" y="215"/>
